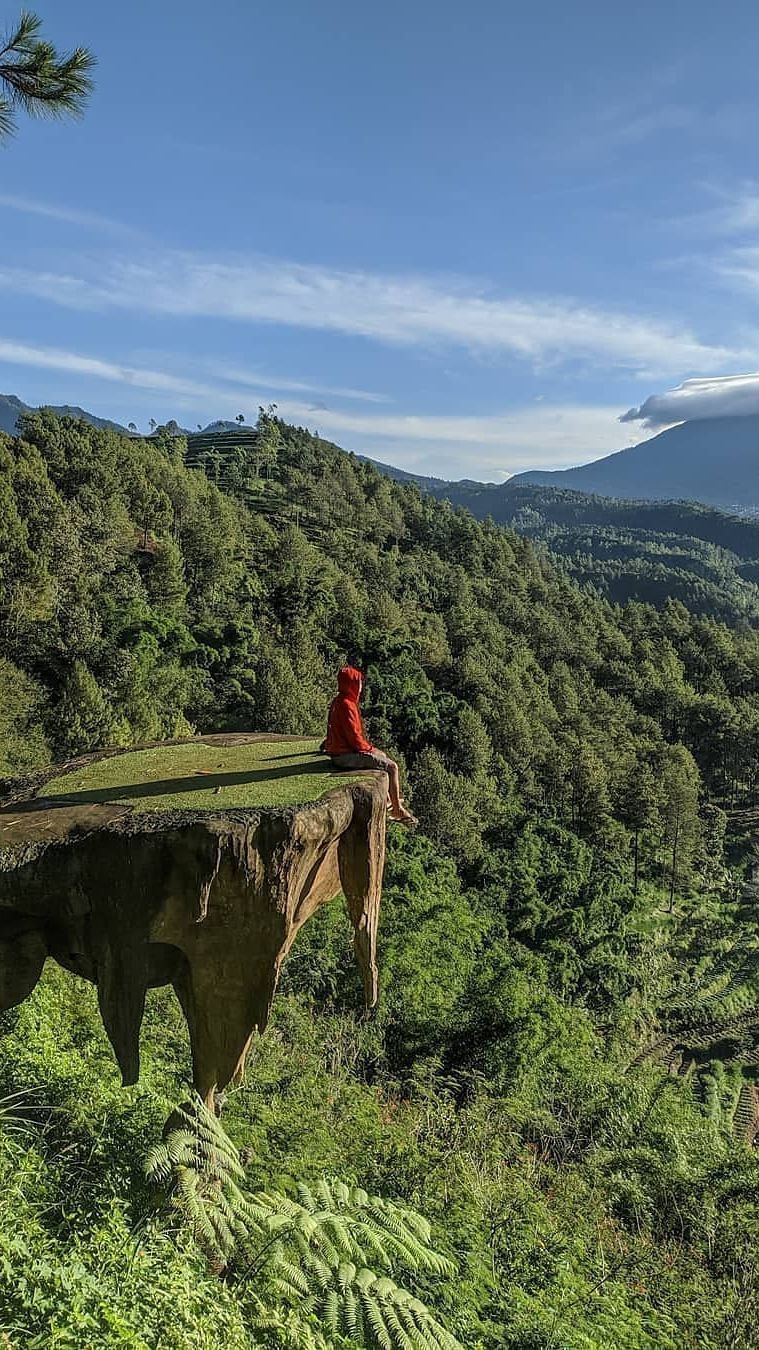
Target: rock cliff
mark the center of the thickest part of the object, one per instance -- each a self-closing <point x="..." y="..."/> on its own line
<point x="142" y="868"/>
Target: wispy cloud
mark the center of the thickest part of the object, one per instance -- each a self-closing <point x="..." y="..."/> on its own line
<point x="614" y="116"/>
<point x="227" y="386"/>
<point x="739" y="266"/>
<point x="261" y="379"/>
<point x="734" y="223"/>
<point x="69" y="215"/>
<point x="409" y="310"/>
<point x="549" y="436"/>
<point x="696" y="400"/>
<point x="540" y="435"/>
<point x="625" y="126"/>
<point x="93" y="367"/>
<point x="733" y="211"/>
<point x="738" y="213"/>
<point x="727" y="255"/>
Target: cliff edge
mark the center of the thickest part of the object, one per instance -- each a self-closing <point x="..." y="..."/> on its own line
<point x="192" y="863"/>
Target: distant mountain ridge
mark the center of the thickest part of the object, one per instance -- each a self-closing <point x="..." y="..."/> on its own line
<point x="715" y="461"/>
<point x="427" y="484"/>
<point x="11" y="409"/>
<point x="625" y="549"/>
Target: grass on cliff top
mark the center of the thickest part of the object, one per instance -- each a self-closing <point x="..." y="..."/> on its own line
<point x="204" y="777"/>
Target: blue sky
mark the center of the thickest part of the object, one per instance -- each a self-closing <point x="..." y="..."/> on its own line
<point x="462" y="238"/>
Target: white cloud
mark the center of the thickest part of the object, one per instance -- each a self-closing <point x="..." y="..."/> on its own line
<point x="537" y="436"/>
<point x="736" y="216"/>
<point x="694" y="400"/>
<point x="397" y="309"/>
<point x="54" y="358"/>
<point x="238" y="383"/>
<point x="261" y="379"/>
<point x="69" y="215"/>
<point x="740" y="265"/>
<point x="541" y="436"/>
<point x="620" y="128"/>
<point x="736" y="212"/>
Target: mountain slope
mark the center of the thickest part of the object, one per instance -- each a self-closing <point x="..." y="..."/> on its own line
<point x="437" y="486"/>
<point x="715" y="461"/>
<point x="651" y="551"/>
<point x="12" y="407"/>
<point x="632" y="550"/>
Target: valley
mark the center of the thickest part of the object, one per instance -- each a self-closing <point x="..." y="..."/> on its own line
<point x="561" y="1072"/>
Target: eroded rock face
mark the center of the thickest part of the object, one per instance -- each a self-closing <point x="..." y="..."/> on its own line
<point x="208" y="902"/>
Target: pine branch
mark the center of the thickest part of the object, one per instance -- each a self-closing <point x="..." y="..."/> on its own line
<point x="39" y="81"/>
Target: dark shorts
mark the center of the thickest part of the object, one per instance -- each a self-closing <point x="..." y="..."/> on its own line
<point x="363" y="759"/>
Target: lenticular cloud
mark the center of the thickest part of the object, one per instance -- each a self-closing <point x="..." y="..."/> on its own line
<point x="695" y="400"/>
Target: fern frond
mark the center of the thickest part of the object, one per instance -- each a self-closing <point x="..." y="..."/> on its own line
<point x="158" y="1165"/>
<point x="291" y="1283"/>
<point x="201" y="1167"/>
<point x="395" y="1327"/>
<point x="375" y="1320"/>
<point x="292" y="1331"/>
<point x="313" y="1252"/>
<point x="345" y="1275"/>
<point x="746" y="1115"/>
<point x="330" y="1312"/>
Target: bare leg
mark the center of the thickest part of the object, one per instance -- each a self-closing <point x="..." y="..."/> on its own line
<point x="398" y="811"/>
<point x="396" y="805"/>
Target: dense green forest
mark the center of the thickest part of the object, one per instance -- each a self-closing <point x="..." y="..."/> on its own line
<point x="561" y="1075"/>
<point x="629" y="550"/>
<point x="650" y="551"/>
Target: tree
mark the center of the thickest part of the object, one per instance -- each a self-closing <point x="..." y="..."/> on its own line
<point x="38" y="80"/>
<point x="268" y="440"/>
<point x="85" y="720"/>
<point x="152" y="424"/>
<point x="132" y="426"/>
<point x="453" y="809"/>
<point x="637" y="808"/>
<point x="240" y="418"/>
<point x="22" y="707"/>
<point x="590" y="791"/>
<point x="680" y="783"/>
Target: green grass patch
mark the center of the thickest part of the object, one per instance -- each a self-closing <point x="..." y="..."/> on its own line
<point x="201" y="776"/>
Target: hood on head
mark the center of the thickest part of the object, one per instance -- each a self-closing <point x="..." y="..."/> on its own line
<point x="349" y="682"/>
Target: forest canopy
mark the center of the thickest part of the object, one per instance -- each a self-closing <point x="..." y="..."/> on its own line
<point x="562" y="1072"/>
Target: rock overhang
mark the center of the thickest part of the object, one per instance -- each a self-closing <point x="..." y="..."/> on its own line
<point x="101" y="869"/>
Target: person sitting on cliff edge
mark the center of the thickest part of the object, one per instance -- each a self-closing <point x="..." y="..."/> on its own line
<point x="348" y="748"/>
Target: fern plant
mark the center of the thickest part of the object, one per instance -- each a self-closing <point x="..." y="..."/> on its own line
<point x="325" y="1257"/>
<point x="199" y="1168"/>
<point x="316" y="1249"/>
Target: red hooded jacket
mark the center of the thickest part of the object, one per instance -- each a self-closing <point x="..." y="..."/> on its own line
<point x="345" y="730"/>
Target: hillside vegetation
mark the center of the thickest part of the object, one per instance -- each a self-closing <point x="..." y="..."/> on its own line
<point x="630" y="550"/>
<point x="561" y="1075"/>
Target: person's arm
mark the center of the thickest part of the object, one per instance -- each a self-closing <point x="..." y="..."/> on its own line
<point x="356" y="730"/>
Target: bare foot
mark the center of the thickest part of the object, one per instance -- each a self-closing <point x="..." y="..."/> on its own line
<point x="404" y="817"/>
